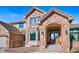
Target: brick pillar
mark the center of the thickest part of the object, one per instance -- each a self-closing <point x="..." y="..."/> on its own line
<point x="8" y="42"/>
<point x="42" y="39"/>
<point x="66" y="46"/>
<point x="42" y="44"/>
<point x="27" y="44"/>
<point x="65" y="40"/>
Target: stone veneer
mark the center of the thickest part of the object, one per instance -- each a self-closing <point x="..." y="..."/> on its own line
<point x="53" y="19"/>
<point x="65" y="26"/>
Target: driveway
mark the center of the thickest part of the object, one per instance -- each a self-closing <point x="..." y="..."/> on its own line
<point x="2" y="50"/>
<point x="50" y="49"/>
<point x="22" y="50"/>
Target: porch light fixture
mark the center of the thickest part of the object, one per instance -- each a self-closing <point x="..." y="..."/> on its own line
<point x="66" y="32"/>
<point x="42" y="33"/>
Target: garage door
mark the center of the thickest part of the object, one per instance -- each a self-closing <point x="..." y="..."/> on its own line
<point x="2" y="41"/>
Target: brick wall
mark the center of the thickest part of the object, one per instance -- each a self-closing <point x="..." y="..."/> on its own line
<point x="35" y="13"/>
<point x="16" y="40"/>
<point x="75" y="44"/>
<point x="3" y="31"/>
<point x="64" y="25"/>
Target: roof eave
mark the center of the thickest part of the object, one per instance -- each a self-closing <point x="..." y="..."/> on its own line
<point x="70" y="18"/>
<point x="17" y="22"/>
<point x="32" y="10"/>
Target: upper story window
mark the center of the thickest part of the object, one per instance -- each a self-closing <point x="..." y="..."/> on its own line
<point x="21" y="25"/>
<point x="34" y="20"/>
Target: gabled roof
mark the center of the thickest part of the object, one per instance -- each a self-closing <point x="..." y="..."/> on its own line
<point x="32" y="10"/>
<point x="18" y="22"/>
<point x="9" y="27"/>
<point x="70" y="18"/>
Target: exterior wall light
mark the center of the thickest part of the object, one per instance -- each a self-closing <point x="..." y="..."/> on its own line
<point x="42" y="33"/>
<point x="66" y="32"/>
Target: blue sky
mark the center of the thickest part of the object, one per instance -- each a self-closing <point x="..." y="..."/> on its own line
<point x="16" y="13"/>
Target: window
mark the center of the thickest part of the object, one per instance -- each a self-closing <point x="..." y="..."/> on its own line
<point x="32" y="35"/>
<point x="74" y="30"/>
<point x="78" y="36"/>
<point x="34" y="20"/>
<point x="74" y="34"/>
<point x="21" y="25"/>
<point x="54" y="35"/>
<point x="73" y="37"/>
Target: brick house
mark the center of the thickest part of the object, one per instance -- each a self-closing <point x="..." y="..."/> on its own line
<point x="21" y="25"/>
<point x="10" y="36"/>
<point x="42" y="29"/>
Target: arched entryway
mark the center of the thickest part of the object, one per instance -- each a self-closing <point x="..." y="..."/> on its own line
<point x="60" y="33"/>
<point x="57" y="24"/>
<point x="53" y="34"/>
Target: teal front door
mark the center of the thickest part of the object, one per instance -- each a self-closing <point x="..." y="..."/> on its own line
<point x="33" y="37"/>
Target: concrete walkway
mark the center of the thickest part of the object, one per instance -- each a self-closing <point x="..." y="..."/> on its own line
<point x="55" y="48"/>
<point x="2" y="50"/>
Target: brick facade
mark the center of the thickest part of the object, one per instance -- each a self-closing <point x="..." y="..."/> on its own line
<point x="4" y="33"/>
<point x="54" y="19"/>
<point x="13" y="36"/>
<point x="64" y="25"/>
<point x="35" y="13"/>
<point x="16" y="40"/>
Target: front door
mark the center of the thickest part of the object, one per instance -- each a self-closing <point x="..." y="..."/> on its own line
<point x="54" y="37"/>
<point x="33" y="37"/>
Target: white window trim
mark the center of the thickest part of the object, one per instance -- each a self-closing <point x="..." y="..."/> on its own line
<point x="36" y="41"/>
<point x="19" y="26"/>
<point x="31" y="19"/>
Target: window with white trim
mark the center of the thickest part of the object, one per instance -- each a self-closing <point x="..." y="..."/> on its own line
<point x="32" y="35"/>
<point x="21" y="25"/>
<point x="34" y="20"/>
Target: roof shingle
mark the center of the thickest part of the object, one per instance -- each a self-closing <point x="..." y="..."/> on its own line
<point x="9" y="27"/>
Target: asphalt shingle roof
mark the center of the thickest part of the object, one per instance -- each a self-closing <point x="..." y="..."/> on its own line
<point x="9" y="27"/>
